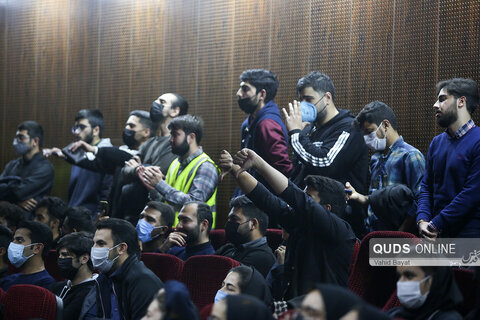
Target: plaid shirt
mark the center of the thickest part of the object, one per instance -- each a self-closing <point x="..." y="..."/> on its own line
<point x="203" y="184"/>
<point x="464" y="129"/>
<point x="403" y="164"/>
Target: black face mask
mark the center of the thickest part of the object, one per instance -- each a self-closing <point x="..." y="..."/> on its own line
<point x="66" y="269"/>
<point x="129" y="138"/>
<point x="156" y="112"/>
<point x="182" y="149"/>
<point x="232" y="234"/>
<point x="248" y="105"/>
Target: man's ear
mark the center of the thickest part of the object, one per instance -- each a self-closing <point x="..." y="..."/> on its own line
<point x="122" y="248"/>
<point x="84" y="258"/>
<point x="204" y="225"/>
<point x="192" y="137"/>
<point x="3" y="251"/>
<point x="255" y="224"/>
<point x="174" y="111"/>
<point x="328" y="207"/>
<point x="55" y="222"/>
<point x="462" y="102"/>
<point x="38" y="248"/>
<point x="263" y="94"/>
<point x="36" y="141"/>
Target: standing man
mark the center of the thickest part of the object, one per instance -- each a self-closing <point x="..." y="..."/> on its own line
<point x="394" y="162"/>
<point x="193" y="176"/>
<point x="324" y="141"/>
<point x="28" y="178"/>
<point x="263" y="130"/>
<point x="449" y="205"/>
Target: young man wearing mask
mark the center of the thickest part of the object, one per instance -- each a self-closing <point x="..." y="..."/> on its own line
<point x="324" y="142"/>
<point x="191" y="235"/>
<point x="193" y="176"/>
<point x="245" y="230"/>
<point x="394" y="162"/>
<point x="125" y="286"/>
<point x="75" y="265"/>
<point x="154" y="224"/>
<point x="263" y="130"/>
<point x="51" y="212"/>
<point x="27" y="253"/>
<point x="86" y="187"/>
<point x="28" y="178"/>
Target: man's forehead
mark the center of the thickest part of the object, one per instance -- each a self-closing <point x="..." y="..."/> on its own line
<point x="367" y="126"/>
<point x="83" y="121"/>
<point x="189" y="210"/>
<point x="22" y="132"/>
<point x="246" y="83"/>
<point x="168" y="97"/>
<point x="152" y="212"/>
<point x="442" y="92"/>
<point x="103" y="234"/>
<point x="22" y="232"/>
<point x="236" y="211"/>
<point x="133" y="119"/>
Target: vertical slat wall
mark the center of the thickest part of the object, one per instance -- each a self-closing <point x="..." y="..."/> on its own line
<point x="58" y="56"/>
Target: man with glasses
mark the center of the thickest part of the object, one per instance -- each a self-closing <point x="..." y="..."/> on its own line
<point x="87" y="188"/>
<point x="324" y="142"/>
<point x="29" y="177"/>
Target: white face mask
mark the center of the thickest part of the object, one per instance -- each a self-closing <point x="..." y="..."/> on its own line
<point x="15" y="254"/>
<point x="100" y="259"/>
<point x="375" y="143"/>
<point x="408" y="292"/>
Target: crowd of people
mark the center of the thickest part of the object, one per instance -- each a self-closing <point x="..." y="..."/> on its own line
<point x="157" y="193"/>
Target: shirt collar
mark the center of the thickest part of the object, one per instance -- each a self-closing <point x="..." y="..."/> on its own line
<point x="255" y="243"/>
<point x="464" y="129"/>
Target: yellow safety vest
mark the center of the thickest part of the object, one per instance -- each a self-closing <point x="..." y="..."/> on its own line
<point x="183" y="181"/>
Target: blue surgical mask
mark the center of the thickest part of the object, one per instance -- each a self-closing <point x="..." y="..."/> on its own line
<point x="15" y="254"/>
<point x="309" y="111"/>
<point x="220" y="296"/>
<point x="21" y="148"/>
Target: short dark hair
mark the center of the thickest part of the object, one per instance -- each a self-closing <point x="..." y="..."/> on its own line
<point x="330" y="191"/>
<point x="168" y="214"/>
<point x="459" y="87"/>
<point x="6" y="236"/>
<point x="144" y="119"/>
<point x="375" y="112"/>
<point x="56" y="207"/>
<point x="250" y="211"/>
<point x="34" y="130"/>
<point x="38" y="233"/>
<point x="94" y="117"/>
<point x="319" y="82"/>
<point x="180" y="102"/>
<point x="122" y="231"/>
<point x="78" y="243"/>
<point x="79" y="218"/>
<point x="189" y="124"/>
<point x="12" y="213"/>
<point x="204" y="212"/>
<point x="262" y="79"/>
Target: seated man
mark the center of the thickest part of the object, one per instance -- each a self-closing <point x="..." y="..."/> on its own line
<point x="125" y="287"/>
<point x="27" y="252"/>
<point x="30" y="177"/>
<point x="191" y="236"/>
<point x="77" y="219"/>
<point x="5" y="237"/>
<point x="11" y="215"/>
<point x="245" y="229"/>
<point x="154" y="224"/>
<point x="75" y="265"/>
<point x="51" y="212"/>
<point x="320" y="243"/>
<point x="193" y="176"/>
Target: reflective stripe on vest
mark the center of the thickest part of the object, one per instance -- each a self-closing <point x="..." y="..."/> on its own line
<point x="183" y="181"/>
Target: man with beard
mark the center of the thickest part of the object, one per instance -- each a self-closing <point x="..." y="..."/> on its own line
<point x="29" y="177"/>
<point x="156" y="151"/>
<point x="263" y="130"/>
<point x="191" y="235"/>
<point x="193" y="176"/>
<point x="87" y="188"/>
<point x="449" y="205"/>
<point x="324" y="141"/>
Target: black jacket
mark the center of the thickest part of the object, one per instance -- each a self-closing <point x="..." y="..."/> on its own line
<point x="258" y="256"/>
<point x="320" y="245"/>
<point x="135" y="286"/>
<point x="72" y="296"/>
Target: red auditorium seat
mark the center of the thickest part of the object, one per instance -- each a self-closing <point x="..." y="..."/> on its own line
<point x="25" y="301"/>
<point x="274" y="238"/>
<point x="2" y="296"/>
<point x="365" y="280"/>
<point x="392" y="302"/>
<point x="203" y="276"/>
<point x="217" y="238"/>
<point x="51" y="265"/>
<point x="206" y="311"/>
<point x="165" y="266"/>
<point x="356" y="249"/>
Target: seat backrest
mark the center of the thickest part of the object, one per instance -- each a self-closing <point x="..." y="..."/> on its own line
<point x="274" y="238"/>
<point x="24" y="301"/>
<point x="51" y="265"/>
<point x="465" y="280"/>
<point x="165" y="266"/>
<point x="203" y="276"/>
<point x="356" y="249"/>
<point x="374" y="284"/>
<point x="217" y="238"/>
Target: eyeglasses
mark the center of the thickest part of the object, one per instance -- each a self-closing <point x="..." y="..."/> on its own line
<point x="80" y="127"/>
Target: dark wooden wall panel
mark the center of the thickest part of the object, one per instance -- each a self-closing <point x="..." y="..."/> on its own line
<point x="59" y="56"/>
